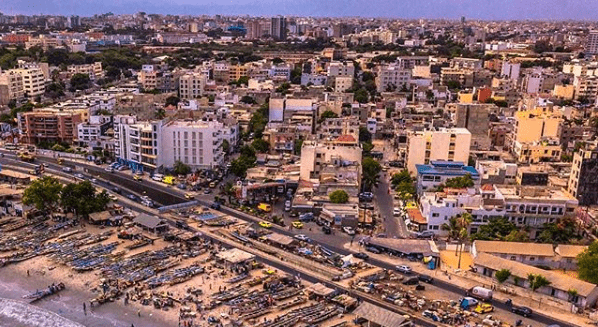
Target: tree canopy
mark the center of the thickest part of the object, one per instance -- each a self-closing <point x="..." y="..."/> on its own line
<point x="80" y="82"/>
<point x="370" y="171"/>
<point x="328" y="114"/>
<point x="587" y="264"/>
<point x="260" y="145"/>
<point x="180" y="168"/>
<point x="82" y="198"/>
<point x="43" y="193"/>
<point x="339" y="196"/>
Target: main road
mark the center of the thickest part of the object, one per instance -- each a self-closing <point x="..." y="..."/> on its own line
<point x="167" y="196"/>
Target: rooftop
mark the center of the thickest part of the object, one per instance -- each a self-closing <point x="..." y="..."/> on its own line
<point x="514" y="248"/>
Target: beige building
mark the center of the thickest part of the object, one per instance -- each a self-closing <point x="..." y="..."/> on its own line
<point x="191" y="85"/>
<point x="564" y="91"/>
<point x="533" y="125"/>
<point x="343" y="83"/>
<point x="445" y="144"/>
<point x="94" y="70"/>
<point x="11" y="87"/>
<point x="317" y="154"/>
<point x="548" y="149"/>
<point x="33" y="81"/>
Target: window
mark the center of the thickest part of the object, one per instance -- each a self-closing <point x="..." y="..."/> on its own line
<point x="513" y="258"/>
<point x="435" y="214"/>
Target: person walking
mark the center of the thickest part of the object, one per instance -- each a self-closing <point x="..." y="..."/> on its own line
<point x="84" y="309"/>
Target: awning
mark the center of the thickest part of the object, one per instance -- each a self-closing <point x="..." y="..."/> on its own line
<point x="380" y="316"/>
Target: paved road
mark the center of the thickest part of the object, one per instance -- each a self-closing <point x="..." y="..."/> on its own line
<point x="395" y="226"/>
<point x="166" y="195"/>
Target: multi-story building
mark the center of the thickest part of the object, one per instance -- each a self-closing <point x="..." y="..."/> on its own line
<point x="431" y="145"/>
<point x="533" y="125"/>
<point x="592" y="43"/>
<point x="278" y="29"/>
<point x="510" y="70"/>
<point x="49" y="126"/>
<point x="583" y="180"/>
<point x="547" y="149"/>
<point x="33" y="81"/>
<point x="342" y="83"/>
<point x="94" y="70"/>
<point x="341" y="69"/>
<point x="11" y="87"/>
<point x="438" y="172"/>
<point x="192" y="85"/>
<point x="586" y="89"/>
<point x="392" y="77"/>
<point x="93" y="130"/>
<point x="317" y="154"/>
<point x="333" y="128"/>
<point x="152" y="77"/>
<point x="476" y="119"/>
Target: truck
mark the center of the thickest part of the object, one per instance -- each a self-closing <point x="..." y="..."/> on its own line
<point x="467" y="303"/>
<point x="480" y="293"/>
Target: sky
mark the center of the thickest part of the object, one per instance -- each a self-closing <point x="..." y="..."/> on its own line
<point x="451" y="9"/>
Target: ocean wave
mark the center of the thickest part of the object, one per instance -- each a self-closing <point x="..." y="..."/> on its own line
<point x="15" y="313"/>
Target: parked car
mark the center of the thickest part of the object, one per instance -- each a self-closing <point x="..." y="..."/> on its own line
<point x="480" y="293"/>
<point x="265" y="224"/>
<point x="306" y="217"/>
<point x="302" y="237"/>
<point x="523" y="311"/>
<point x="411" y="281"/>
<point x="483" y="308"/>
<point x="349" y="230"/>
<point x="297" y="224"/>
<point x="287" y="205"/>
<point x="67" y="169"/>
<point x="189" y="196"/>
<point x="326" y="229"/>
<point x="373" y="249"/>
<point x="425" y="234"/>
<point x="215" y="206"/>
<point x="426" y="279"/>
<point x="397" y="212"/>
<point x="366" y="196"/>
<point x="116" y="190"/>
<point x="182" y="186"/>
<point x="137" y="178"/>
<point x="207" y="191"/>
<point x="133" y="197"/>
<point x="404" y="269"/>
<point x="109" y="169"/>
<point x="361" y="255"/>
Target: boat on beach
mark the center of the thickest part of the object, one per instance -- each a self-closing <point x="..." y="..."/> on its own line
<point x="40" y="294"/>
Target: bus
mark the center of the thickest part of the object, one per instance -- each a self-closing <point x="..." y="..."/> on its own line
<point x="10" y="146"/>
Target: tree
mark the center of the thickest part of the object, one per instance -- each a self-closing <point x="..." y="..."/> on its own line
<point x="561" y="231"/>
<point x="370" y="170"/>
<point x="457" y="182"/>
<point x="180" y="168"/>
<point x="298" y="144"/>
<point x="587" y="263"/>
<point x="361" y="95"/>
<point x="172" y="100"/>
<point x="403" y="183"/>
<point x="248" y="99"/>
<point x="517" y="236"/>
<point x="82" y="198"/>
<point x="536" y="281"/>
<point x="243" y="80"/>
<point x="453" y="85"/>
<point x="225" y="146"/>
<point x="240" y="165"/>
<point x="55" y="90"/>
<point x="495" y="229"/>
<point x="80" y="82"/>
<point x="339" y="196"/>
<point x="229" y="190"/>
<point x="502" y="275"/>
<point x="43" y="193"/>
<point x="328" y="114"/>
<point x="364" y="135"/>
<point x="260" y="145"/>
<point x="160" y="113"/>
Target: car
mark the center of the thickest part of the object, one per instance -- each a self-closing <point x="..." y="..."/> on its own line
<point x="207" y="191"/>
<point x="361" y="255"/>
<point x="93" y="180"/>
<point x="133" y="197"/>
<point x="349" y="230"/>
<point x="287" y="205"/>
<point x="297" y="224"/>
<point x="293" y="214"/>
<point x="67" y="169"/>
<point x="483" y="308"/>
<point x="182" y="186"/>
<point x="189" y="196"/>
<point x="326" y="229"/>
<point x="306" y="217"/>
<point x="404" y="269"/>
<point x="302" y="237"/>
<point x="373" y="249"/>
<point x="182" y="225"/>
<point x="215" y="206"/>
<point x="79" y="175"/>
<point x="366" y="196"/>
<point x="269" y="271"/>
<point x="137" y="178"/>
<point x="411" y="281"/>
<point x="426" y="278"/>
<point x="523" y="311"/>
<point x="116" y="190"/>
<point x="121" y="168"/>
<point x="425" y="234"/>
<point x="397" y="164"/>
<point x="109" y="169"/>
<point x="112" y="197"/>
<point x="265" y="224"/>
<point x="397" y="212"/>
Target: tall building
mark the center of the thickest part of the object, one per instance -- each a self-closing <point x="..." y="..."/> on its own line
<point x="191" y="85"/>
<point x="278" y="28"/>
<point x="592" y="43"/>
<point x="50" y="126"/>
<point x="11" y="87"/>
<point x="392" y="77"/>
<point x="510" y="70"/>
<point x="94" y="70"/>
<point x="445" y="144"/>
<point x="33" y="81"/>
<point x="476" y="119"/>
<point x="583" y="180"/>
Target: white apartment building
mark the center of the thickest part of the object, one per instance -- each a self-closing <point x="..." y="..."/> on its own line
<point x="592" y="43"/>
<point x="315" y="155"/>
<point x="511" y="70"/>
<point x="192" y="85"/>
<point x="11" y="87"/>
<point x="341" y="69"/>
<point x="93" y="129"/>
<point x="94" y="70"/>
<point x="392" y="77"/>
<point x="445" y="144"/>
<point x="33" y="81"/>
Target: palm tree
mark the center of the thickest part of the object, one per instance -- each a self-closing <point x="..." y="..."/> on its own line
<point x="458" y="229"/>
<point x="160" y="113"/>
<point x="452" y="227"/>
<point x="229" y="191"/>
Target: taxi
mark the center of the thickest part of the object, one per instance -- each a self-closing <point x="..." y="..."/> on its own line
<point x="265" y="224"/>
<point x="298" y="224"/>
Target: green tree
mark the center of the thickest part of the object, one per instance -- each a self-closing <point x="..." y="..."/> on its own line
<point x="536" y="281"/>
<point x="172" y="100"/>
<point x="43" y="193"/>
<point x="229" y="191"/>
<point x="361" y="95"/>
<point x="339" y="196"/>
<point x="298" y="144"/>
<point x="248" y="99"/>
<point x="502" y="275"/>
<point x="495" y="229"/>
<point x="180" y="168"/>
<point x="80" y="82"/>
<point x="370" y="171"/>
<point x="82" y="198"/>
<point x="55" y="90"/>
<point x="243" y="80"/>
<point x="562" y="231"/>
<point x="160" y="113"/>
<point x="240" y="165"/>
<point x="364" y="135"/>
<point x="328" y="114"/>
<point x="517" y="236"/>
<point x="403" y="183"/>
<point x="260" y="145"/>
<point x="457" y="182"/>
<point x="225" y="146"/>
<point x="587" y="264"/>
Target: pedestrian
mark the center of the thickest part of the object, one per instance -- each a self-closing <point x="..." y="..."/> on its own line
<point x="84" y="309"/>
<point x="27" y="272"/>
<point x="138" y="313"/>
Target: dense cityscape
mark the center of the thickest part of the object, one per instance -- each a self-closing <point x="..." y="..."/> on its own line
<point x="180" y="170"/>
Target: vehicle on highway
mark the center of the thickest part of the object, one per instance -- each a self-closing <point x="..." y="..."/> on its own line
<point x="116" y="190"/>
<point x="93" y="180"/>
<point x="264" y="207"/>
<point x="349" y="230"/>
<point x="411" y="281"/>
<point x="133" y="197"/>
<point x="215" y="206"/>
<point x="404" y="269"/>
<point x="10" y="146"/>
<point x="426" y="279"/>
<point x="287" y="205"/>
<point x="373" y="249"/>
<point x="158" y="177"/>
<point x="483" y="308"/>
<point x="60" y="161"/>
<point x="169" y="180"/>
<point x="361" y="255"/>
<point x="326" y="229"/>
<point x="520" y="310"/>
<point x="302" y="237"/>
<point x="189" y="196"/>
<point x="109" y="169"/>
<point x="121" y="168"/>
<point x="112" y="197"/>
<point x="67" y="169"/>
<point x="397" y="212"/>
<point x="181" y="186"/>
<point x="137" y="178"/>
<point x="297" y="224"/>
<point x="79" y="175"/>
<point x="265" y="224"/>
<point x="480" y="293"/>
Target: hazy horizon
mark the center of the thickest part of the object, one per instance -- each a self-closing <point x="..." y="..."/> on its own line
<point x="449" y="9"/>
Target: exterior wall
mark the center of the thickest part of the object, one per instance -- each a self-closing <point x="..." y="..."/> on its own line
<point x="315" y="155"/>
<point x="449" y="145"/>
<point x="191" y="86"/>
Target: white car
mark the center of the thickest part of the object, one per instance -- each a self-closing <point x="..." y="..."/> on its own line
<point x="287" y="205"/>
<point x="113" y="197"/>
<point x="349" y="230"/>
<point x="302" y="237"/>
<point x="404" y="269"/>
<point x="397" y="211"/>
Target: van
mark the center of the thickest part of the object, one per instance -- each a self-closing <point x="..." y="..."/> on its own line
<point x="264" y="207"/>
<point x="168" y="180"/>
<point x="158" y="177"/>
<point x="287" y="205"/>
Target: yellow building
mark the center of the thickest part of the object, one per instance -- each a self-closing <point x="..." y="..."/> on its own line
<point x="534" y="125"/>
<point x="465" y="96"/>
<point x="564" y="91"/>
<point x="535" y="152"/>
